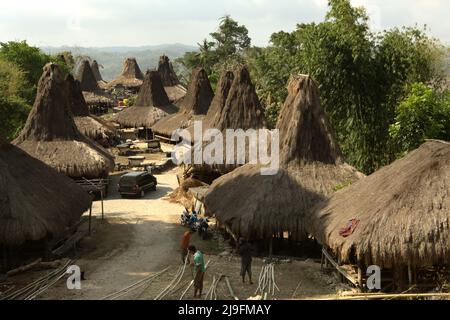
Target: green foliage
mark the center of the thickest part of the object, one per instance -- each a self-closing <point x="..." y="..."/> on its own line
<point x="30" y="60"/>
<point x="423" y="114"/>
<point x="225" y="50"/>
<point x="13" y="107"/>
<point x="362" y="76"/>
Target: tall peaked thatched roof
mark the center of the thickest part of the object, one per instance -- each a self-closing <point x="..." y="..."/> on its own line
<point x="89" y="125"/>
<point x="256" y="205"/>
<point x="152" y="92"/>
<point x="77" y="104"/>
<point x="50" y="133"/>
<point x="131" y="75"/>
<point x="199" y="94"/>
<point x="242" y="109"/>
<point x="96" y="70"/>
<point x="220" y="99"/>
<point x="151" y="105"/>
<point x="403" y="211"/>
<point x="86" y="77"/>
<point x="168" y="75"/>
<point x="194" y="106"/>
<point x="36" y="202"/>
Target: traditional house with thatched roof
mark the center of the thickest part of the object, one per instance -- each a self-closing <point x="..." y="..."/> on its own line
<point x="91" y="126"/>
<point x="131" y="77"/>
<point x="401" y="215"/>
<point x="237" y="105"/>
<point x="50" y="133"/>
<point x="260" y="206"/>
<point x="151" y="105"/>
<point x="95" y="97"/>
<point x="98" y="76"/>
<point x="194" y="105"/>
<point x="175" y="91"/>
<point x="37" y="204"/>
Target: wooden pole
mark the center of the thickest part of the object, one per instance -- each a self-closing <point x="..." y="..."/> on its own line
<point x="90" y="218"/>
<point x="103" y="212"/>
<point x="410" y="280"/>
<point x="271" y="246"/>
<point x="321" y="262"/>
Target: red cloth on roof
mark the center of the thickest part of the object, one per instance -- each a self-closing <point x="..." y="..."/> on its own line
<point x="349" y="228"/>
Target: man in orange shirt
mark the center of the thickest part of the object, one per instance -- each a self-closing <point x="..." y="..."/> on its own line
<point x="185" y="245"/>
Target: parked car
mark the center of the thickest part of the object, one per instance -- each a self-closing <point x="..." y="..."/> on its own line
<point x="137" y="183"/>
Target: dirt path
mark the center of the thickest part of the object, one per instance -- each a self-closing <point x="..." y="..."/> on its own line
<point x="140" y="237"/>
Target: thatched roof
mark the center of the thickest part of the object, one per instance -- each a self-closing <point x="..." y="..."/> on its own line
<point x="131" y="76"/>
<point x="256" y="205"/>
<point x="87" y="124"/>
<point x="220" y="99"/>
<point x="241" y="109"/>
<point x="151" y="105"/>
<point x="96" y="71"/>
<point x="36" y="202"/>
<point x="50" y="133"/>
<point x="168" y="75"/>
<point x="92" y="91"/>
<point x="194" y="105"/>
<point x="86" y="77"/>
<point x="98" y="76"/>
<point x="176" y="93"/>
<point x="403" y="208"/>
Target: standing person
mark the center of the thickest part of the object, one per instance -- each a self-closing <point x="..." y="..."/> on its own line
<point x="199" y="270"/>
<point x="184" y="245"/>
<point x="245" y="251"/>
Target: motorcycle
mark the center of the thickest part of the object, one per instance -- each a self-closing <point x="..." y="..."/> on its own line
<point x="202" y="228"/>
<point x="185" y="219"/>
<point x="189" y="221"/>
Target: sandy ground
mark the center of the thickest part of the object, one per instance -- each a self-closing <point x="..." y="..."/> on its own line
<point x="140" y="237"/>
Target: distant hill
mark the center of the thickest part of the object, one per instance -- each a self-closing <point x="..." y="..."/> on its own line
<point x="111" y="58"/>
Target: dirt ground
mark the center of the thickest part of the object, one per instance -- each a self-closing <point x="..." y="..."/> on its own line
<point x="140" y="237"/>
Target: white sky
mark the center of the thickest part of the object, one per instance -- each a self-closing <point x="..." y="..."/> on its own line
<point x="149" y="22"/>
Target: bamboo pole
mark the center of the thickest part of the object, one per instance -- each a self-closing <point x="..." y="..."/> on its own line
<point x="386" y="296"/>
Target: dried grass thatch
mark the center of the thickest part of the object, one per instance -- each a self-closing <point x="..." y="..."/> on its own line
<point x="89" y="125"/>
<point x="96" y="71"/>
<point x="98" y="76"/>
<point x="182" y="195"/>
<point x="194" y="105"/>
<point x="237" y="107"/>
<point x="175" y="93"/>
<point x="36" y="202"/>
<point x="50" y="133"/>
<point x="92" y="91"/>
<point x="168" y="75"/>
<point x="152" y="104"/>
<point x="403" y="208"/>
<point x="258" y="206"/>
<point x="131" y="76"/>
<point x="86" y="78"/>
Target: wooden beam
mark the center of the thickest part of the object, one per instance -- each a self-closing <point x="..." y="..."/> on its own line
<point x="339" y="269"/>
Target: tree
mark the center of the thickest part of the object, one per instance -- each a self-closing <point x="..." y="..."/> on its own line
<point x="225" y="50"/>
<point x="423" y="114"/>
<point x="30" y="60"/>
<point x="362" y="76"/>
<point x="13" y="107"/>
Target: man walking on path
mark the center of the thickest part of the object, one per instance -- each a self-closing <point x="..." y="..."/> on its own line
<point x="199" y="270"/>
<point x="184" y="245"/>
<point x="245" y="251"/>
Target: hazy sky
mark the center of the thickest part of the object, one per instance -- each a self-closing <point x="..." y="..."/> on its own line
<point x="147" y="22"/>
